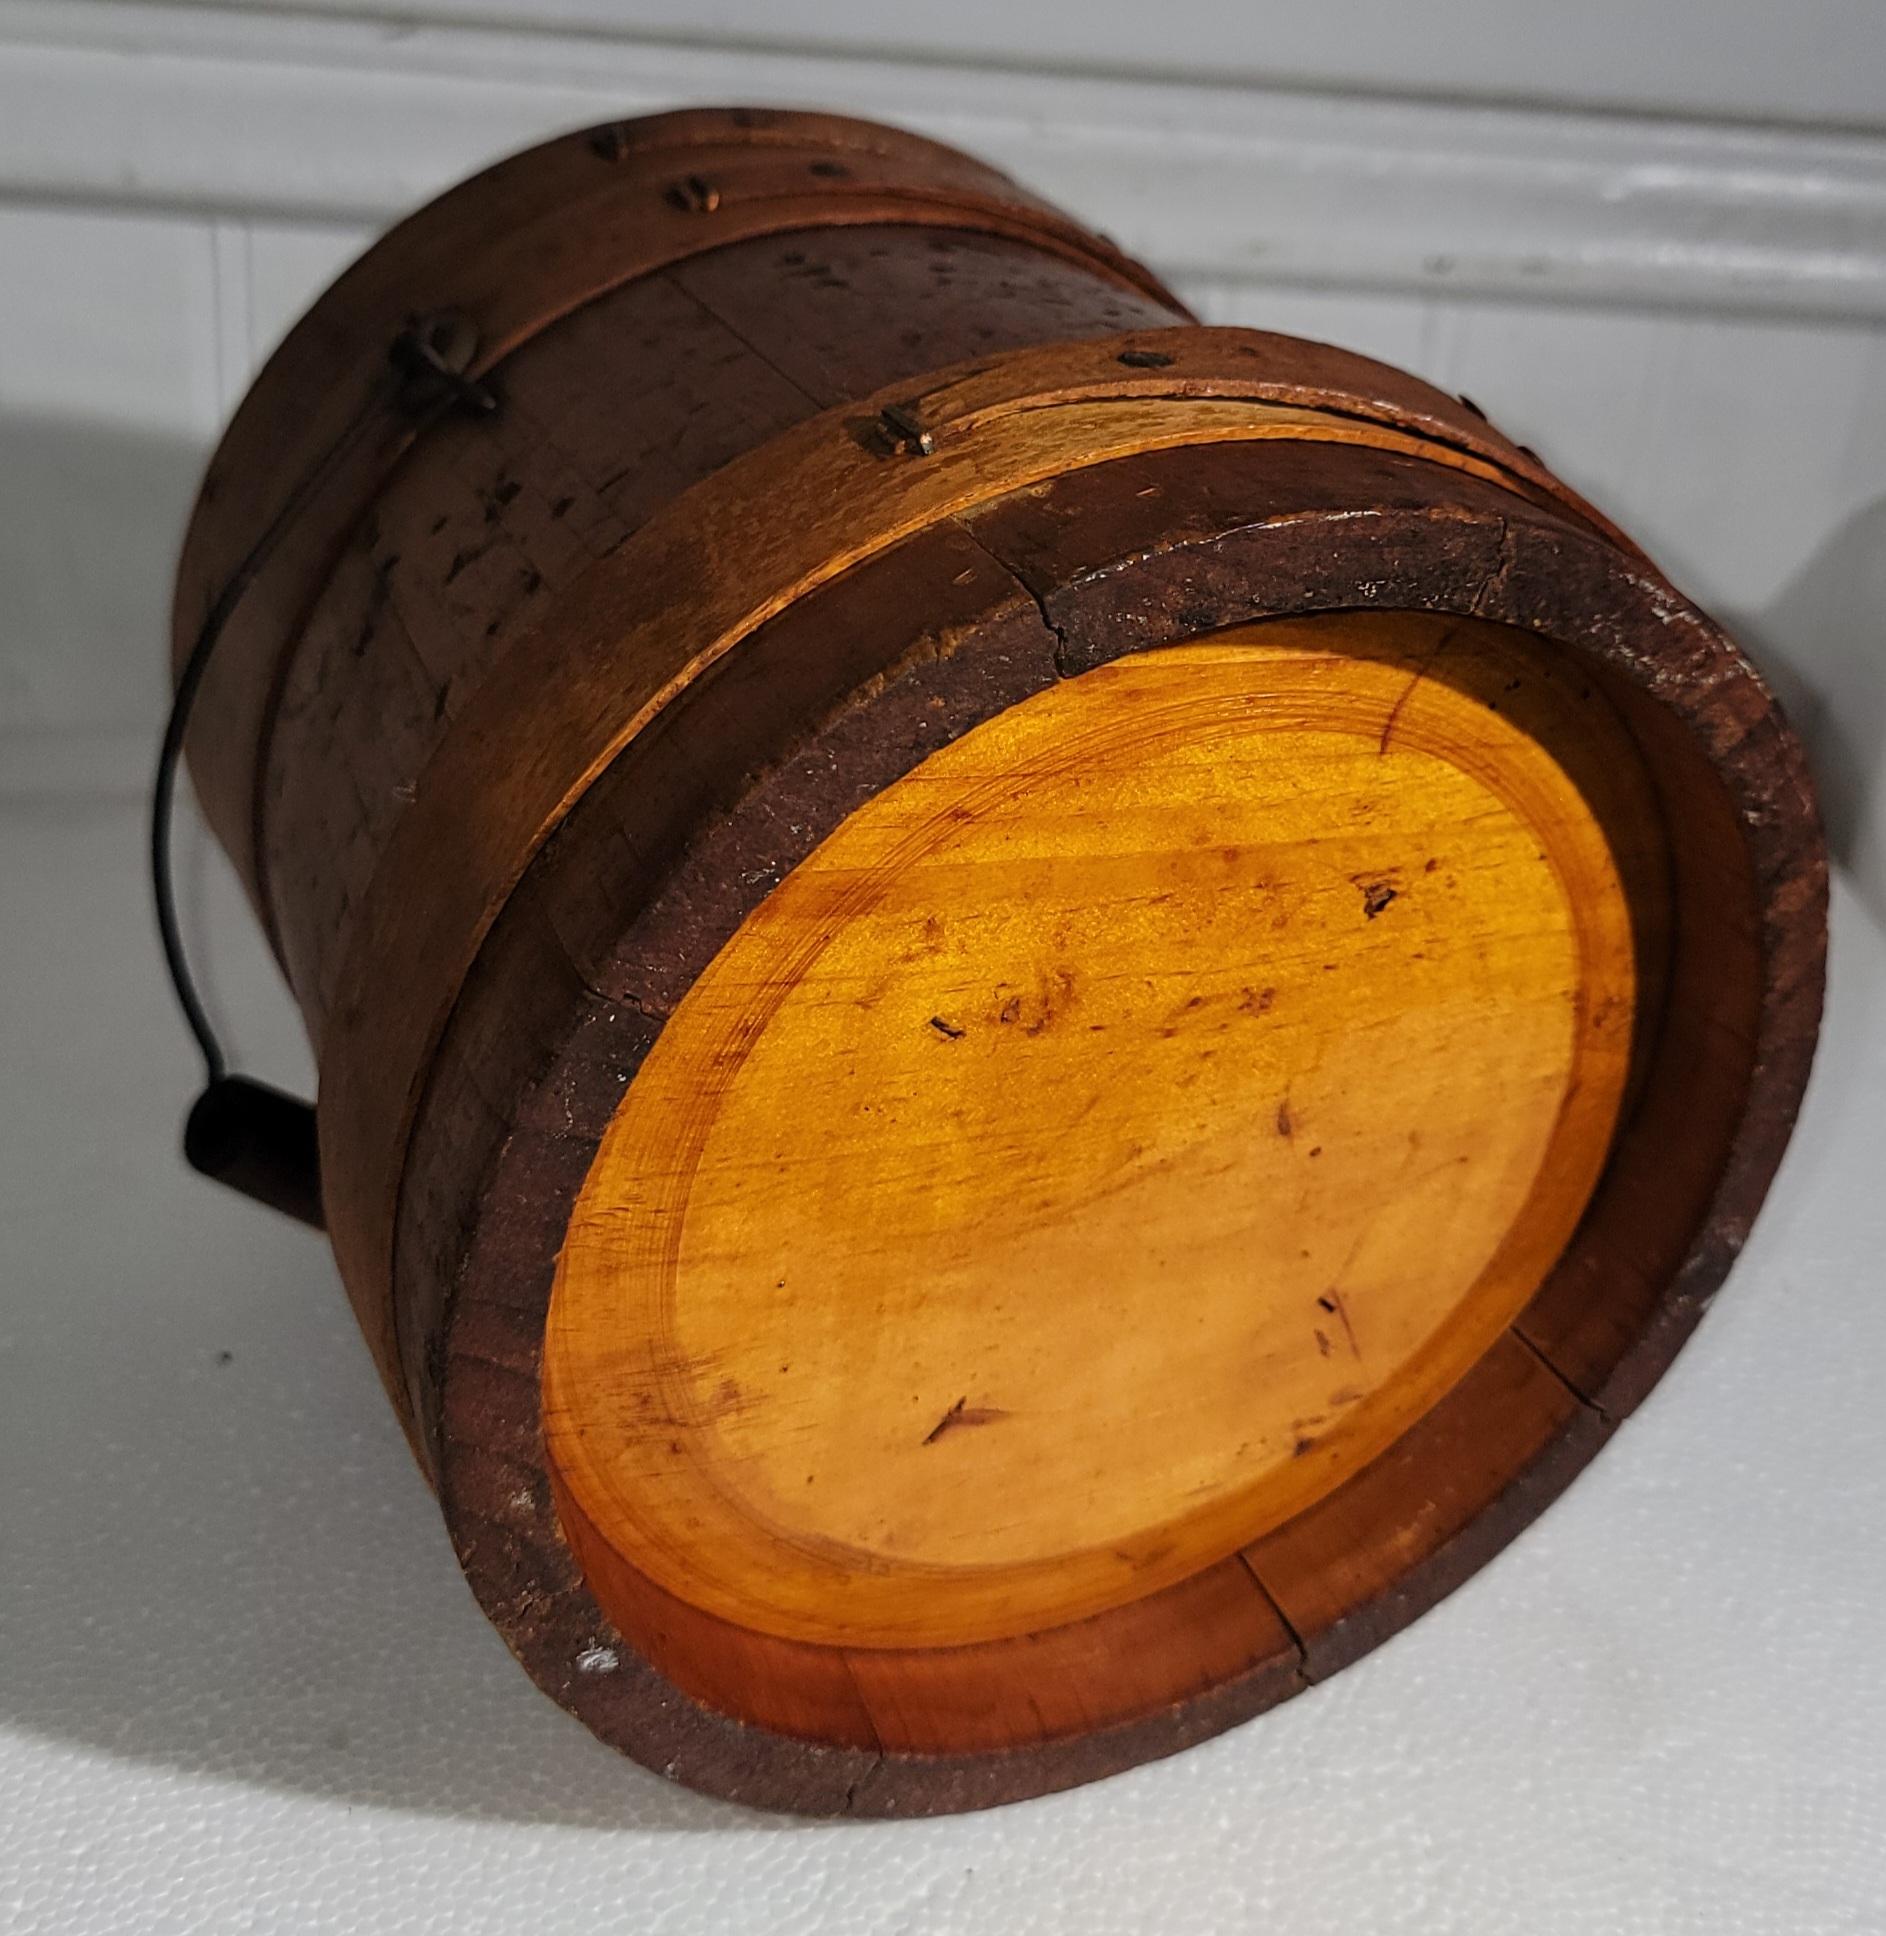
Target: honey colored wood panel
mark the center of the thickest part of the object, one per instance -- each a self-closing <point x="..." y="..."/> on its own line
<point x="1119" y="1131"/>
<point x="521" y="1212"/>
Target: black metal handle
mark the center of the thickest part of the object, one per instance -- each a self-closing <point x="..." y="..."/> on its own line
<point x="255" y="1139"/>
<point x="260" y="1141"/>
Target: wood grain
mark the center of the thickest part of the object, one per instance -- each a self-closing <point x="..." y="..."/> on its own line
<point x="490" y="520"/>
<point x="1128" y="1065"/>
<point x="521" y="245"/>
<point x="689" y="587"/>
<point x="1028" y="1016"/>
<point x="645" y="975"/>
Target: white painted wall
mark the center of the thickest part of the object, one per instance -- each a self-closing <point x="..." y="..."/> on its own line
<point x="1650" y="240"/>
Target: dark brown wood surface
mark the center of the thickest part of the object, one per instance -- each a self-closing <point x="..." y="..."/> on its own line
<point x="607" y="417"/>
<point x="505" y="255"/>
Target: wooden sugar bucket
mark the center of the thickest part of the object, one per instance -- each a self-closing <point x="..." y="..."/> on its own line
<point x="1027" y="1014"/>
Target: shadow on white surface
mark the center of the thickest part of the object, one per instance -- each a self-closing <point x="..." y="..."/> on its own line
<point x="215" y="1554"/>
<point x="218" y="1556"/>
<point x="90" y="517"/>
<point x="1832" y="618"/>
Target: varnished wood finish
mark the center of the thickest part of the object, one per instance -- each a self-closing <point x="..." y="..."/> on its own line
<point x="1128" y="1064"/>
<point x="685" y="591"/>
<point x="511" y="251"/>
<point x="1145" y="953"/>
<point x="488" y="523"/>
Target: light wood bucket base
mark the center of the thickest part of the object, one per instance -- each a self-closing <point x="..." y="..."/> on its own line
<point x="1111" y="1138"/>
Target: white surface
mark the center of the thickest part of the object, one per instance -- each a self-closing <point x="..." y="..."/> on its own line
<point x="242" y="1686"/>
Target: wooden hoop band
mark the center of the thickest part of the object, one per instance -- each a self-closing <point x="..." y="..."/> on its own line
<point x="714" y="565"/>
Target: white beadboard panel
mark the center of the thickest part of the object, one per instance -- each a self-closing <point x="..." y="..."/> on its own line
<point x="311" y="114"/>
<point x="1812" y="60"/>
<point x="289" y="265"/>
<point x="90" y="516"/>
<point x="111" y="332"/>
<point x="109" y="317"/>
<point x="1398" y="329"/>
<point x="1833" y="618"/>
<point x="125" y="342"/>
<point x="1685" y="318"/>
